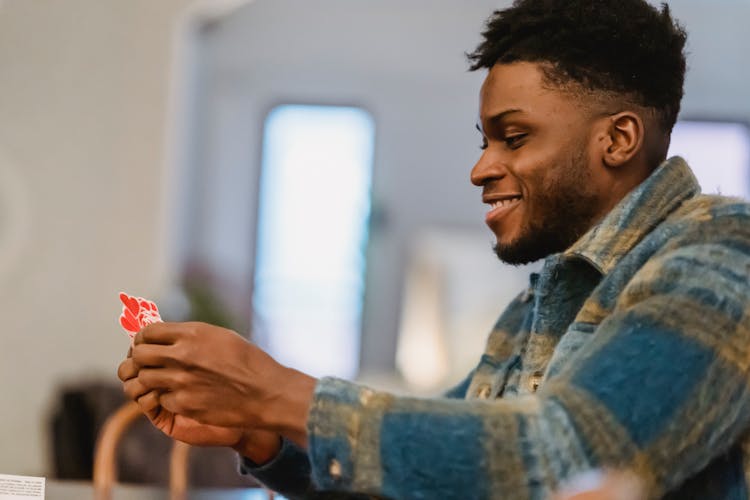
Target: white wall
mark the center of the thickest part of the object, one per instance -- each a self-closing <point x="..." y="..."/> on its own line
<point x="718" y="48"/>
<point x="83" y="111"/>
<point x="83" y="93"/>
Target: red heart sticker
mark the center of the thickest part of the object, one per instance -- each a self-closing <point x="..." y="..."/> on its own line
<point x="130" y="302"/>
<point x="137" y="312"/>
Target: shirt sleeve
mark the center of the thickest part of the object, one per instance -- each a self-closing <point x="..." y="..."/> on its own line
<point x="289" y="471"/>
<point x="661" y="389"/>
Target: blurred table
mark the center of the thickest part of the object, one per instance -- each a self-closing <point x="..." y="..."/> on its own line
<point x="81" y="490"/>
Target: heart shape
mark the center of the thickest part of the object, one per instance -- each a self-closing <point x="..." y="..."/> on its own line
<point x="130" y="302"/>
<point x="137" y="313"/>
<point x="127" y="324"/>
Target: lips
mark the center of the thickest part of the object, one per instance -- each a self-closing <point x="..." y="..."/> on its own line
<point x="501" y="205"/>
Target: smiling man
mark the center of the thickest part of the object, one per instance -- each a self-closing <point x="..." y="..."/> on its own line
<point x="543" y="190"/>
<point x="628" y="351"/>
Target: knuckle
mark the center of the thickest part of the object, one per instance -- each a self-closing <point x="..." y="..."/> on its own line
<point x="137" y="340"/>
<point x="148" y="401"/>
<point x="129" y="389"/>
<point x="151" y="327"/>
<point x="137" y="353"/>
<point x="182" y="352"/>
<point x="183" y="378"/>
<point x="180" y="402"/>
<point x="144" y="378"/>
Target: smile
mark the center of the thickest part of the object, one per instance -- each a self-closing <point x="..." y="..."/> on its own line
<point x="498" y="208"/>
<point x="504" y="203"/>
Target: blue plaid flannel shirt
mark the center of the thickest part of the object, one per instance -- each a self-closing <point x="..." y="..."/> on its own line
<point x="629" y="350"/>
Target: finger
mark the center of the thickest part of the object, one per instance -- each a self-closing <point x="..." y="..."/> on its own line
<point x="163" y="378"/>
<point x="160" y="333"/>
<point x="175" y="402"/>
<point x="134" y="389"/>
<point x="155" y="355"/>
<point x="149" y="402"/>
<point x="127" y="370"/>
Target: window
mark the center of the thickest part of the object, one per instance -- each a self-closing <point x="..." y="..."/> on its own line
<point x="314" y="206"/>
<point x="718" y="153"/>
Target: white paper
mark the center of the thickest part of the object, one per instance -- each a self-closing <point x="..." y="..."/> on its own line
<point x="21" y="487"/>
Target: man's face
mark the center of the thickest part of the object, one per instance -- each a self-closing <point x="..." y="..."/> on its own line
<point x="537" y="173"/>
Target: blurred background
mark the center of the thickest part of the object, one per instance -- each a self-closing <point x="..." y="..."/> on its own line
<point x="297" y="170"/>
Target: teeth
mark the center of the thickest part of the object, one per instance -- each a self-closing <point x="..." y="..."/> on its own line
<point x="504" y="203"/>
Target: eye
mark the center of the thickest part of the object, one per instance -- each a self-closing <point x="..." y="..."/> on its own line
<point x="484" y="137"/>
<point x="514" y="141"/>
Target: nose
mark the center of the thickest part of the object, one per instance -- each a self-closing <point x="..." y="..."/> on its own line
<point x="487" y="167"/>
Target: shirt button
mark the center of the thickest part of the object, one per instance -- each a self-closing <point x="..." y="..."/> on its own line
<point x="334" y="468"/>
<point x="365" y="396"/>
<point x="535" y="381"/>
<point x="483" y="392"/>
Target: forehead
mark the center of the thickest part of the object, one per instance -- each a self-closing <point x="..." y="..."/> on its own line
<point x="521" y="85"/>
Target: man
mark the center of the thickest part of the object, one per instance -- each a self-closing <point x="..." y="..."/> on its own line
<point x="629" y="350"/>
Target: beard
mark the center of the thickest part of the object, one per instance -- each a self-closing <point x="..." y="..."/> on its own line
<point x="566" y="207"/>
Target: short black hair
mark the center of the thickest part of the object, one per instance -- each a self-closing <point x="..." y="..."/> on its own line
<point x="626" y="47"/>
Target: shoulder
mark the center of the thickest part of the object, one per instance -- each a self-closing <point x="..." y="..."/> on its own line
<point x="705" y="221"/>
<point x="705" y="242"/>
<point x="702" y="248"/>
<point x="711" y="210"/>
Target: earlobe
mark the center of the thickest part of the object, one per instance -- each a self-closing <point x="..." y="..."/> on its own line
<point x="626" y="133"/>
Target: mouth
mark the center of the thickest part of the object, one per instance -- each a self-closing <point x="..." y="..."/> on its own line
<point x="501" y="205"/>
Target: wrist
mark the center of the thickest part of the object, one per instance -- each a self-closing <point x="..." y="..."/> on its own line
<point x="259" y="446"/>
<point x="294" y="405"/>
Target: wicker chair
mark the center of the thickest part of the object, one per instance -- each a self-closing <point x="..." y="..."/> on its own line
<point x="105" y="470"/>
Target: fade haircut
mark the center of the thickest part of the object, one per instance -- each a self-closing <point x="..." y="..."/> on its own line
<point x="623" y="47"/>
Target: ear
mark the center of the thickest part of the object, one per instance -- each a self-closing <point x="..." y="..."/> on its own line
<point x="625" y="135"/>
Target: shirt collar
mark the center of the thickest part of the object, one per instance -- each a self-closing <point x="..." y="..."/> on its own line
<point x="636" y="215"/>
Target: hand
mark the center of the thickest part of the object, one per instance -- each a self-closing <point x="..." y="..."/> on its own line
<point x="257" y="445"/>
<point x="608" y="485"/>
<point x="216" y="377"/>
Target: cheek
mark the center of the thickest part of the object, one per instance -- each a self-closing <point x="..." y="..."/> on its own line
<point x="538" y="180"/>
<point x="552" y="179"/>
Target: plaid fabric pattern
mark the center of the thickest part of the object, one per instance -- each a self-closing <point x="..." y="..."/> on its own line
<point x="629" y="350"/>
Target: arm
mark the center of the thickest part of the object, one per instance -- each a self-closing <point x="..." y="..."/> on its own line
<point x="200" y="375"/>
<point x="289" y="472"/>
<point x="667" y="370"/>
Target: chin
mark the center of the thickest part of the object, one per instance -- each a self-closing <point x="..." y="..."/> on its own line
<point x="506" y="241"/>
<point x="509" y="256"/>
<point x="521" y="251"/>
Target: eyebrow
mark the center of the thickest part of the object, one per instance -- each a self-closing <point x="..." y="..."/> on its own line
<point x="498" y="117"/>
